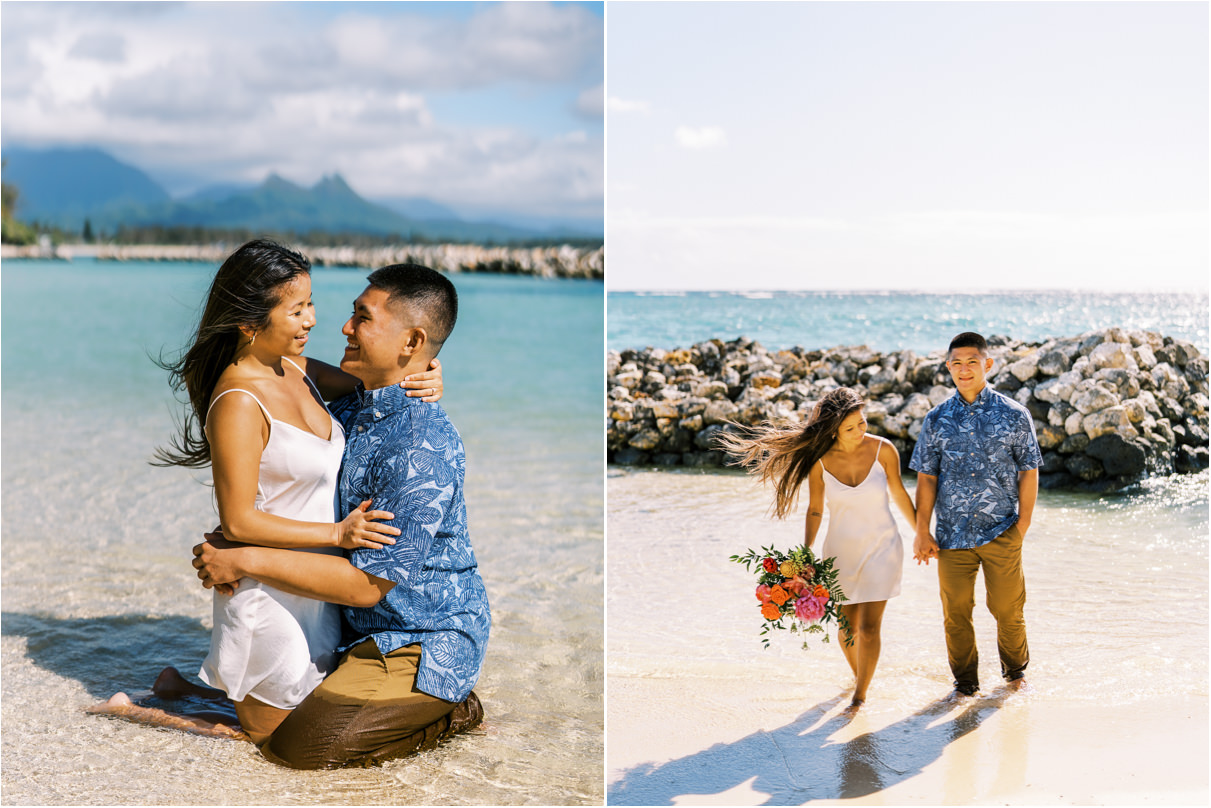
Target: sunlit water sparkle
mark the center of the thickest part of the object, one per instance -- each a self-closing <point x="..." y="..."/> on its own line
<point x="99" y="594"/>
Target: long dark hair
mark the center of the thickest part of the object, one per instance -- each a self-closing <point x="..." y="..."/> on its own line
<point x="785" y="453"/>
<point x="244" y="291"/>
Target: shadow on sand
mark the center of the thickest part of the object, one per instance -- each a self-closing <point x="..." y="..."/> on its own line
<point x="798" y="763"/>
<point x="111" y="653"/>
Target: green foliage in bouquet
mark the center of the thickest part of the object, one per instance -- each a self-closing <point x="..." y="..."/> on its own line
<point x="799" y="586"/>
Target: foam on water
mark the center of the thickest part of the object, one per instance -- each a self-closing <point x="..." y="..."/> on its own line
<point x="99" y="594"/>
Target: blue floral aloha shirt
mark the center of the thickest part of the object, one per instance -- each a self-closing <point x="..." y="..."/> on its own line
<point x="976" y="451"/>
<point x="406" y="456"/>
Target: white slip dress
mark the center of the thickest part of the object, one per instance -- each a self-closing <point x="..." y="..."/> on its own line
<point x="863" y="537"/>
<point x="268" y="644"/>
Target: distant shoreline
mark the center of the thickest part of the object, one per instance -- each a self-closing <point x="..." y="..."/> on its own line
<point x="545" y="262"/>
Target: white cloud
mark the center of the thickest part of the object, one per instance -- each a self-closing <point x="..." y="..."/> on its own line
<point x="100" y="47"/>
<point x="617" y="104"/>
<point x="591" y="102"/>
<point x="231" y="91"/>
<point x="579" y="136"/>
<point x="643" y="221"/>
<point x="941" y="249"/>
<point x="703" y="137"/>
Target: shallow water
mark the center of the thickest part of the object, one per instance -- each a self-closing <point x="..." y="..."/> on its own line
<point x="699" y="712"/>
<point x="99" y="594"/>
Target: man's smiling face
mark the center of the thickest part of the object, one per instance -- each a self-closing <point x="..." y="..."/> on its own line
<point x="969" y="369"/>
<point x="375" y="337"/>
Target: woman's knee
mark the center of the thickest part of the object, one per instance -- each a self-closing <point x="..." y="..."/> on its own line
<point x="868" y="630"/>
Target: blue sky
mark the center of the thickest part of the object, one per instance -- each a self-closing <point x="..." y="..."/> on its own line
<point x="907" y="145"/>
<point x="482" y="106"/>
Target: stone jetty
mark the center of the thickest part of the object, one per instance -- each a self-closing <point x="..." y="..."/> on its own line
<point x="563" y="261"/>
<point x="1110" y="407"/>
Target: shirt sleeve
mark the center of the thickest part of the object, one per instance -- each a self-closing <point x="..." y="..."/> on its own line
<point x="417" y="485"/>
<point x="925" y="456"/>
<point x="1026" y="451"/>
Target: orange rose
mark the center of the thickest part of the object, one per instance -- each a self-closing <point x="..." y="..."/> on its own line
<point x="779" y="595"/>
<point x="820" y="591"/>
<point x="770" y="612"/>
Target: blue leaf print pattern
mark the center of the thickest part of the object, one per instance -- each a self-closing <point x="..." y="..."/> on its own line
<point x="976" y="451"/>
<point x="408" y="458"/>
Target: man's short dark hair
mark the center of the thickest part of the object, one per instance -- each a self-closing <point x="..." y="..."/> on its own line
<point x="969" y="339"/>
<point x="426" y="289"/>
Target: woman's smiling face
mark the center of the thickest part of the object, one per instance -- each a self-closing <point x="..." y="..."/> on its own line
<point x="290" y="321"/>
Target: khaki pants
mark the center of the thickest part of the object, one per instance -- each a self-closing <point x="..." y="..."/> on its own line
<point x="368" y="711"/>
<point x="1005" y="585"/>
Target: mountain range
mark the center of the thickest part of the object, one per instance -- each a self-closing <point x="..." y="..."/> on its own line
<point x="64" y="187"/>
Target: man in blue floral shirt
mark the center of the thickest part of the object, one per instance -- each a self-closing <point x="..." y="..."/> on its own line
<point x="977" y="461"/>
<point x="416" y="612"/>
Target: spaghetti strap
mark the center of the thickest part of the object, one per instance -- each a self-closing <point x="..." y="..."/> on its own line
<point x="305" y="376"/>
<point x="264" y="409"/>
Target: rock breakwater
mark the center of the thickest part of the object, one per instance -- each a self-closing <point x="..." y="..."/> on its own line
<point x="1110" y="407"/>
<point x="564" y="261"/>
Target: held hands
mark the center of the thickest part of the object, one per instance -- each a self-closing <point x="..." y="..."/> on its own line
<point x="924" y="547"/>
<point x="358" y="530"/>
<point x="427" y="385"/>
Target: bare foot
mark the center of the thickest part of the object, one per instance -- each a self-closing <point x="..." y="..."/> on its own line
<point x="854" y="706"/>
<point x="958" y="695"/>
<point x="113" y="706"/>
<point x="1017" y="685"/>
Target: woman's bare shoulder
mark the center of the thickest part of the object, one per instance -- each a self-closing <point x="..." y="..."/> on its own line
<point x="248" y="399"/>
<point x="235" y="378"/>
<point x="887" y="450"/>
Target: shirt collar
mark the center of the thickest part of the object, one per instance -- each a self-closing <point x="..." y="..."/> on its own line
<point x="384" y="400"/>
<point x="982" y="397"/>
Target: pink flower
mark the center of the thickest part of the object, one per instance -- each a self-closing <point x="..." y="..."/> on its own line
<point x="763" y="593"/>
<point x="809" y="609"/>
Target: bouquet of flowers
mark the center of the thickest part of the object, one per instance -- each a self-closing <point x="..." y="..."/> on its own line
<point x="796" y="585"/>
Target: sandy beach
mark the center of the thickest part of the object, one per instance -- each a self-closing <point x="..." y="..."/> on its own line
<point x="698" y="713"/>
<point x="99" y="594"/>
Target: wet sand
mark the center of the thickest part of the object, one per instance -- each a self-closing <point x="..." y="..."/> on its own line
<point x="698" y="713"/>
<point x="731" y="745"/>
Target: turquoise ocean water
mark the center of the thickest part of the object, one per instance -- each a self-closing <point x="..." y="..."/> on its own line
<point x="699" y="713"/>
<point x="98" y="592"/>
<point x="892" y="321"/>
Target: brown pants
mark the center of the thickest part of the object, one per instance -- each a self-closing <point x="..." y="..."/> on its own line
<point x="1005" y="585"/>
<point x="368" y="711"/>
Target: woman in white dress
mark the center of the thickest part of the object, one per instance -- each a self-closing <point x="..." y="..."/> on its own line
<point x="257" y="416"/>
<point x="855" y="474"/>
